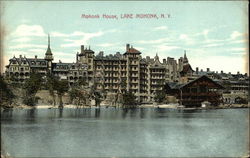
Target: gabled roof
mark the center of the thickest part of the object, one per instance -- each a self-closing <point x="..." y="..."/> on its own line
<point x="31" y="61"/>
<point x="186" y="68"/>
<point x="200" y="78"/>
<point x="133" y="50"/>
<point x="174" y="85"/>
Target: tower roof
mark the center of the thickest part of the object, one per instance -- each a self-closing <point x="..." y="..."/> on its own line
<point x="48" y="52"/>
<point x="185" y="60"/>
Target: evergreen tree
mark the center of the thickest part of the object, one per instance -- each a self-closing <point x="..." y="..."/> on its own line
<point x="6" y="95"/>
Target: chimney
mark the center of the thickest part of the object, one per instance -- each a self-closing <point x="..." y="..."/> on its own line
<point x="216" y="72"/>
<point x="101" y="53"/>
<point x="208" y="69"/>
<point x="35" y="56"/>
<point x="20" y="56"/>
<point x="221" y="72"/>
<point x="197" y="70"/>
<point x="127" y="47"/>
<point x="201" y="70"/>
<point x="77" y="56"/>
<point x="82" y="48"/>
<point x="164" y="61"/>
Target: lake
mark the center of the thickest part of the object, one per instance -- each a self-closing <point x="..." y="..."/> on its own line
<point x="117" y="132"/>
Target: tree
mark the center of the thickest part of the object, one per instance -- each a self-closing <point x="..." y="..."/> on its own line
<point x="61" y="87"/>
<point x="31" y="86"/>
<point x="123" y="84"/>
<point x="6" y="95"/>
<point x="82" y="82"/>
<point x="97" y="97"/>
<point x="51" y="86"/>
<point x="159" y="96"/>
<point x="129" y="99"/>
<point x="94" y="94"/>
<point x="77" y="95"/>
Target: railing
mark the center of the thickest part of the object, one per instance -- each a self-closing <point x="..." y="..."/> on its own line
<point x="201" y="94"/>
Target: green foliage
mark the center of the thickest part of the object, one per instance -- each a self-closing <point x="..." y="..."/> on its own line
<point x="98" y="97"/>
<point x="74" y="93"/>
<point x="129" y="99"/>
<point x="61" y="87"/>
<point x="123" y="84"/>
<point x="77" y="95"/>
<point x="51" y="86"/>
<point x="6" y="95"/>
<point x="54" y="84"/>
<point x="159" y="96"/>
<point x="82" y="82"/>
<point x="30" y="100"/>
<point x="33" y="84"/>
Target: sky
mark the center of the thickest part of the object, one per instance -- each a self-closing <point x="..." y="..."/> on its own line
<point x="213" y="33"/>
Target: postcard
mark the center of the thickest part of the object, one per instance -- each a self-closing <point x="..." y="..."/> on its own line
<point x="124" y="79"/>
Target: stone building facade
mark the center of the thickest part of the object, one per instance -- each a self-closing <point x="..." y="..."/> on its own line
<point x="20" y="68"/>
<point x="130" y="72"/>
<point x="111" y="73"/>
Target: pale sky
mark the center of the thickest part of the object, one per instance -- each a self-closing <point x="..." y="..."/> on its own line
<point x="214" y="33"/>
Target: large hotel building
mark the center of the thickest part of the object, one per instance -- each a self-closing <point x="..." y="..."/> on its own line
<point x="112" y="73"/>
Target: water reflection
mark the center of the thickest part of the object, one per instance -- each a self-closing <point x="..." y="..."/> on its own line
<point x="123" y="133"/>
<point x="124" y="112"/>
<point x="142" y="112"/>
<point x="31" y="113"/>
<point x="97" y="112"/>
<point x="7" y="114"/>
<point x="60" y="112"/>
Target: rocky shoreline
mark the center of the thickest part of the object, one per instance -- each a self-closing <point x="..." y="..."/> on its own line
<point x="170" y="106"/>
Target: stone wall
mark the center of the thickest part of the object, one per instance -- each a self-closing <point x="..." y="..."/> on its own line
<point x="47" y="99"/>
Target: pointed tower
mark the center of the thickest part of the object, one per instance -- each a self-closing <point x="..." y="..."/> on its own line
<point x="157" y="60"/>
<point x="185" y="59"/>
<point x="48" y="55"/>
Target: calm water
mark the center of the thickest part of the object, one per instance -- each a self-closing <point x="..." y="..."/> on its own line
<point x="144" y="132"/>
